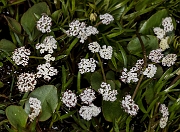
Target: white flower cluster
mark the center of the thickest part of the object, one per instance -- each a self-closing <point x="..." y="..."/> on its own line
<point x="156" y="55"/>
<point x="165" y="113"/>
<point x="129" y="106"/>
<point x="69" y="98"/>
<point x="87" y="96"/>
<point x="107" y="93"/>
<point x="150" y="71"/>
<point x="20" y="56"/>
<point x="49" y="58"/>
<point x="132" y="75"/>
<point x="87" y="65"/>
<point x="79" y="29"/>
<point x="161" y="33"/>
<point x="106" y="52"/>
<point x="168" y="25"/>
<point x="138" y="65"/>
<point x="87" y="112"/>
<point x="163" y="122"/>
<point x="94" y="47"/>
<point x="129" y="76"/>
<point x="35" y="106"/>
<point x="48" y="45"/>
<point x="44" y="24"/>
<point x="46" y="71"/>
<point x="169" y="60"/>
<point x="106" y="18"/>
<point x="26" y="82"/>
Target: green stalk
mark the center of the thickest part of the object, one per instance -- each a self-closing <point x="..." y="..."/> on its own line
<point x="102" y="69"/>
<point x="35" y="57"/>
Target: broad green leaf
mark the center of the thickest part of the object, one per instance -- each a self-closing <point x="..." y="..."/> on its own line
<point x="13" y="24"/>
<point x="150" y="43"/>
<point x="154" y="21"/>
<point x="28" y="20"/>
<point x="16" y="116"/>
<point x="96" y="80"/>
<point x="111" y="110"/>
<point x="47" y="94"/>
<point x="7" y="45"/>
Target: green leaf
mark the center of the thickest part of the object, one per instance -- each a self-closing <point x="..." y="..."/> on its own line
<point x="47" y="94"/>
<point x="150" y="43"/>
<point x="16" y="116"/>
<point x="28" y="20"/>
<point x="6" y="45"/>
<point x="13" y="24"/>
<point x="96" y="80"/>
<point x="154" y="21"/>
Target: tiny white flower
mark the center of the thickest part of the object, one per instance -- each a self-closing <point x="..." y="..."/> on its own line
<point x="94" y="47"/>
<point x="87" y="96"/>
<point x="44" y="24"/>
<point x="164" y="110"/>
<point x="159" y="32"/>
<point x="46" y="71"/>
<point x="129" y="76"/>
<point x="79" y="29"/>
<point x="107" y="93"/>
<point x="168" y="25"/>
<point x="106" y="18"/>
<point x="106" y="52"/>
<point x="150" y="71"/>
<point x="163" y="122"/>
<point x="49" y="58"/>
<point x="26" y="82"/>
<point x="169" y="60"/>
<point x="129" y="106"/>
<point x="49" y="43"/>
<point x="87" y="65"/>
<point x="69" y="98"/>
<point x="87" y="112"/>
<point x="21" y="56"/>
<point x="35" y="106"/>
<point x="156" y="55"/>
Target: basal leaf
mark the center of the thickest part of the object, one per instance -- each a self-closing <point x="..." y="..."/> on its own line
<point x="6" y="45"/>
<point x="47" y="94"/>
<point x="16" y="116"/>
<point x="28" y="20"/>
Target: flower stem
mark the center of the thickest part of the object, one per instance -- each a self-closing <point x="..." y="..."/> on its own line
<point x="35" y="57"/>
<point x="145" y="64"/>
<point x="102" y="69"/>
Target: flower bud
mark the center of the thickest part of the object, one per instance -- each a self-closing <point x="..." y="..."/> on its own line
<point x="93" y="17"/>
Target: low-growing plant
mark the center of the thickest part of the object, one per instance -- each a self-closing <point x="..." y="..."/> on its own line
<point x="85" y="65"/>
